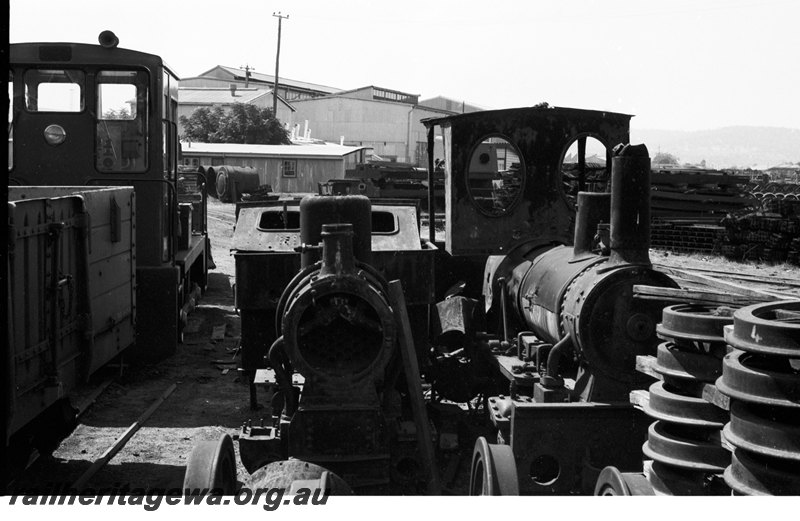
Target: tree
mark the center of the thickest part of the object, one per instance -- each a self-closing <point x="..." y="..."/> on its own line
<point x="202" y="124"/>
<point x="244" y="123"/>
<point x="665" y="158"/>
<point x="122" y="113"/>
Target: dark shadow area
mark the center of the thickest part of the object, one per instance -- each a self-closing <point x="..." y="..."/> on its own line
<point x="55" y="476"/>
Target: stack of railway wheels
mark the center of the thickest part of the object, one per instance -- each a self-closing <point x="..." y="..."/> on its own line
<point x="684" y="453"/>
<point x="761" y="375"/>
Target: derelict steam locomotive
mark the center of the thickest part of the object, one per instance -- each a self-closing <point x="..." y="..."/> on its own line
<point x="525" y="306"/>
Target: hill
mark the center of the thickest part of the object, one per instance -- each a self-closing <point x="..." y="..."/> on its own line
<point x="740" y="146"/>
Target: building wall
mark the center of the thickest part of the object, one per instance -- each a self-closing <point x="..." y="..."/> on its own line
<point x="309" y="171"/>
<point x="393" y="130"/>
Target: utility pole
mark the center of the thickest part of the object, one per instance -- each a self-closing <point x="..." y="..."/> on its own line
<point x="277" y="62"/>
<point x="247" y="70"/>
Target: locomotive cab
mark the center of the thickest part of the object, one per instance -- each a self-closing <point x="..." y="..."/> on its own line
<point x="99" y="115"/>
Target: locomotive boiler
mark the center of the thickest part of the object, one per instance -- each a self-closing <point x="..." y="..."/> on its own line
<point x="577" y="300"/>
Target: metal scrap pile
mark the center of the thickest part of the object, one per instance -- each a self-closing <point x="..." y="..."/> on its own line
<point x="771" y="233"/>
<point x="687" y="205"/>
<point x="696" y="195"/>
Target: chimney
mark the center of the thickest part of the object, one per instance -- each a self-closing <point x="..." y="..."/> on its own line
<point x="233" y="90"/>
<point x="593" y="208"/>
<point x="630" y="205"/>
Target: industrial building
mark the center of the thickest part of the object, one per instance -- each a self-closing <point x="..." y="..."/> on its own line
<point x="385" y="120"/>
<point x="221" y="76"/>
<point x="287" y="168"/>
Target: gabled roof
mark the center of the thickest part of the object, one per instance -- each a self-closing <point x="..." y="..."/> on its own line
<point x="328" y="150"/>
<point x="217" y="96"/>
<point x="784" y="166"/>
<point x="221" y="96"/>
<point x="450" y="104"/>
<point x="382" y="94"/>
<point x="239" y="74"/>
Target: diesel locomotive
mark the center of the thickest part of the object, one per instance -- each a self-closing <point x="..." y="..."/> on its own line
<point x="108" y="248"/>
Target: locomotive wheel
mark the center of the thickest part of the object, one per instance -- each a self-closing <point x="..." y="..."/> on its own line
<point x="493" y="471"/>
<point x="612" y="482"/>
<point x="212" y="465"/>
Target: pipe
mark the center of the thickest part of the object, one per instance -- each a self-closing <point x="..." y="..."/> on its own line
<point x="554" y="360"/>
<point x="503" y="298"/>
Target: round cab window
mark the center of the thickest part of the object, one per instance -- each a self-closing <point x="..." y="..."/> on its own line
<point x="496" y="176"/>
<point x="584" y="167"/>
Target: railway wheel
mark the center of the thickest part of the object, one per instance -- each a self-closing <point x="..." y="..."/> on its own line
<point x="612" y="482"/>
<point x="493" y="471"/>
<point x="212" y="465"/>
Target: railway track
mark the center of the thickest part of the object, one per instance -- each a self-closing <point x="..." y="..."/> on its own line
<point x="222" y="213"/>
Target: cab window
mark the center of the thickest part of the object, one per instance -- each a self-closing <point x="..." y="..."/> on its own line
<point x="121" y="132"/>
<point x="54" y="90"/>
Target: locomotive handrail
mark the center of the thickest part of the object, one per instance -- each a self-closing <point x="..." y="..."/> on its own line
<point x="204" y="193"/>
<point x="173" y="192"/>
<point x="431" y="187"/>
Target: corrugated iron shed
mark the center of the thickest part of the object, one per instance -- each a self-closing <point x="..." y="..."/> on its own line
<point x="329" y="150"/>
<point x="239" y="74"/>
<point x="221" y="96"/>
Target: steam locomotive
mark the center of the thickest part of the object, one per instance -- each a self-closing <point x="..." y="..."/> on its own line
<point x="543" y="328"/>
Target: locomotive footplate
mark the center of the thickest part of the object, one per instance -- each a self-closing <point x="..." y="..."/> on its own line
<point x="523" y="374"/>
<point x="196" y="246"/>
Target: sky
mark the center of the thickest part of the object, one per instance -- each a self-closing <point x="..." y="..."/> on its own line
<point x="674" y="64"/>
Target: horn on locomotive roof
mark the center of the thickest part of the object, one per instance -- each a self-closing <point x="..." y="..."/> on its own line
<point x="108" y="39"/>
